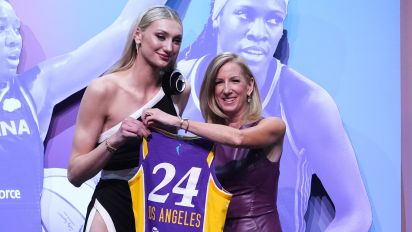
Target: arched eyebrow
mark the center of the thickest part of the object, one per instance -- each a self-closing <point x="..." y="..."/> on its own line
<point x="165" y="32"/>
<point x="277" y="13"/>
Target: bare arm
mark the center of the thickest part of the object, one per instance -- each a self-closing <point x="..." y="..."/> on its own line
<point x="334" y="161"/>
<point x="86" y="160"/>
<point x="267" y="132"/>
<point x="64" y="75"/>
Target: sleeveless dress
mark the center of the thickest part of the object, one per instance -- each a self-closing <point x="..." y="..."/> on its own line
<point x="112" y="197"/>
<point x="253" y="181"/>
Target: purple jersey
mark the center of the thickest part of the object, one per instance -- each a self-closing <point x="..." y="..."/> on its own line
<point x="176" y="188"/>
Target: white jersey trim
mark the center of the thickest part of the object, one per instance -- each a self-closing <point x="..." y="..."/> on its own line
<point x="136" y="114"/>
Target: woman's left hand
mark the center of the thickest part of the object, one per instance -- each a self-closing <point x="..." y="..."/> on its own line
<point x="156" y="117"/>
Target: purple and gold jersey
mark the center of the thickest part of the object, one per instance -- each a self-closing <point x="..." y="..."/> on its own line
<point x="176" y="188"/>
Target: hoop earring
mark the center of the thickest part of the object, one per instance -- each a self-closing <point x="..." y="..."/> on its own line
<point x="248" y="99"/>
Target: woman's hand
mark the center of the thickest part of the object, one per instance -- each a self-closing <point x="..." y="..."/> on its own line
<point x="130" y="128"/>
<point x="156" y="117"/>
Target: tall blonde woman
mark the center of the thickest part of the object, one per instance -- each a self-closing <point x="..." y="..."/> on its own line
<point x="108" y="132"/>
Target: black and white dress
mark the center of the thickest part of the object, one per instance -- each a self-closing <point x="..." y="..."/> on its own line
<point x="112" y="198"/>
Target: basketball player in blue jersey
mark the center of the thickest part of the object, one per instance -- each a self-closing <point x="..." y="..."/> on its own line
<point x="108" y="132"/>
<point x="248" y="147"/>
<point x="176" y="188"/>
<point x="26" y="105"/>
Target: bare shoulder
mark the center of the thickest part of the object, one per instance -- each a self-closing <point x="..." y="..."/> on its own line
<point x="298" y="90"/>
<point x="97" y="100"/>
<point x="312" y="114"/>
<point x="102" y="88"/>
<point x="273" y="123"/>
<point x="272" y="120"/>
<point x="303" y="98"/>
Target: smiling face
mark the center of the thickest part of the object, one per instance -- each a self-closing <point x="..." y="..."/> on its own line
<point x="159" y="43"/>
<point x="231" y="90"/>
<point x="251" y="29"/>
<point x="10" y="40"/>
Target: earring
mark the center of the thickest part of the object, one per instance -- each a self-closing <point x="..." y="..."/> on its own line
<point x="248" y="99"/>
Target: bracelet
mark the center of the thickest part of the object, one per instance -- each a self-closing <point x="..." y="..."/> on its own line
<point x="109" y="147"/>
<point x="187" y="128"/>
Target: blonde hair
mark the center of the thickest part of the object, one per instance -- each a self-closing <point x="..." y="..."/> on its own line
<point x="144" y="21"/>
<point x="208" y="106"/>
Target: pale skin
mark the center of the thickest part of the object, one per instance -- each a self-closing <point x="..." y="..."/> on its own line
<point x="230" y="93"/>
<point x="112" y="98"/>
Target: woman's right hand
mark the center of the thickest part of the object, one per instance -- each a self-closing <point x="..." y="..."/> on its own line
<point x="129" y="128"/>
